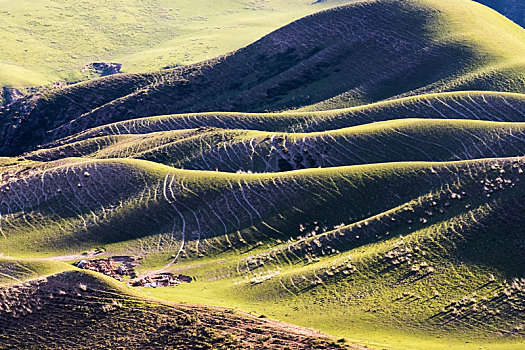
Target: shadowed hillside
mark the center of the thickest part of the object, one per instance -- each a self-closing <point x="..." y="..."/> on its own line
<point x="72" y="205"/>
<point x="307" y="62"/>
<point x="65" y="311"/>
<point x="299" y="235"/>
<point x="490" y="106"/>
<point x="235" y="150"/>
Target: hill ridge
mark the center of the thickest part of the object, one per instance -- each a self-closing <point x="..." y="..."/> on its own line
<point x="289" y="74"/>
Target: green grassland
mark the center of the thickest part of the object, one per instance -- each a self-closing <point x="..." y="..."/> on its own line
<point x="512" y="9"/>
<point x="53" y="40"/>
<point x="461" y="45"/>
<point x="472" y="105"/>
<point x="418" y="242"/>
<point x="394" y="309"/>
<point x="16" y="271"/>
<point x="79" y="305"/>
<point x="225" y="149"/>
<point x="359" y="172"/>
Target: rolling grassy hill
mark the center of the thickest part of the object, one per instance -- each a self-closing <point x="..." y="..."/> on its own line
<point x="234" y="150"/>
<point x="300" y="235"/>
<point x="453" y="50"/>
<point x="83" y="304"/>
<point x="18" y="271"/>
<point x="359" y="171"/>
<point x="504" y="107"/>
<point x="46" y="41"/>
<point x="513" y="9"/>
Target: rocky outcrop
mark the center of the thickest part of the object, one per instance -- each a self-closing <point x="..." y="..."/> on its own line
<point x="102" y="69"/>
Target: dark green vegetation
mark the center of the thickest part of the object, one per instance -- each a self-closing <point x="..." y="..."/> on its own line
<point x="359" y="171"/>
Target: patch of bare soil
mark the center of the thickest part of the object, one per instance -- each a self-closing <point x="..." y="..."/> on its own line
<point x="116" y="267"/>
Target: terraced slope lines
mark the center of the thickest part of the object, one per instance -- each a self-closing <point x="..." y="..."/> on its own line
<point x="359" y="172"/>
<point x="331" y="59"/>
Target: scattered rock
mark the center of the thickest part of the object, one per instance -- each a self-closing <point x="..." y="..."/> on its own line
<point x="115" y="267"/>
<point x="165" y="279"/>
<point x="102" y="69"/>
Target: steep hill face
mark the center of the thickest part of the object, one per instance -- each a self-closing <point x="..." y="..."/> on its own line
<point x="513" y="9"/>
<point x="335" y="55"/>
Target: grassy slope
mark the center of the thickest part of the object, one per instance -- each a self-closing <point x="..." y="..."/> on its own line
<point x="38" y="46"/>
<point x="490" y="106"/>
<point x="48" y="206"/>
<point x="16" y="271"/>
<point x="396" y="308"/>
<point x="234" y="269"/>
<point x="67" y="309"/>
<point x="513" y="9"/>
<point x="473" y="29"/>
<point x="227" y="150"/>
<point x="277" y="73"/>
<point x="417" y="255"/>
<point x="13" y="75"/>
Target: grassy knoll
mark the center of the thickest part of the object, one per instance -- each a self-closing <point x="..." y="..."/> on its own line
<point x="513" y="9"/>
<point x="14" y="271"/>
<point x="394" y="256"/>
<point x="81" y="204"/>
<point x="67" y="309"/>
<point x="359" y="171"/>
<point x="471" y="105"/>
<point x="368" y="296"/>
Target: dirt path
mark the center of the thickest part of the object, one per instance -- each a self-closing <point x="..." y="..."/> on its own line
<point x="156" y="272"/>
<point x="61" y="257"/>
<point x="10" y="277"/>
